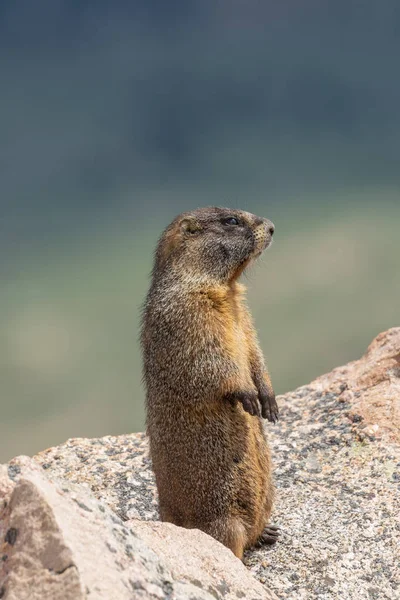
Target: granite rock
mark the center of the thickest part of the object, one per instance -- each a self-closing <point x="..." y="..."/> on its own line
<point x="336" y="452"/>
<point x="60" y="543"/>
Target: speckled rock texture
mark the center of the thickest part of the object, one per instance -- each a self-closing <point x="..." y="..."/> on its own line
<point x="336" y="453"/>
<point x="61" y="543"/>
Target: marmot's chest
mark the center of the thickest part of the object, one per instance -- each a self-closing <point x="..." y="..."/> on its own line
<point x="241" y="347"/>
<point x="232" y="319"/>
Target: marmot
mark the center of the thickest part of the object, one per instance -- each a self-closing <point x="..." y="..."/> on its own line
<point x="206" y="382"/>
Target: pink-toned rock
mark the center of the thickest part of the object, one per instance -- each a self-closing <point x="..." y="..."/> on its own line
<point x="60" y="543"/>
<point x="189" y="552"/>
<point x="95" y="534"/>
<point x="372" y="386"/>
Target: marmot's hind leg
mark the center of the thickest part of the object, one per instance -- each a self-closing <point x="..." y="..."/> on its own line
<point x="230" y="532"/>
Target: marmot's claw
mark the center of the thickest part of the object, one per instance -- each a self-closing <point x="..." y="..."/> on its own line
<point x="269" y="536"/>
<point x="269" y="407"/>
<point x="249" y="401"/>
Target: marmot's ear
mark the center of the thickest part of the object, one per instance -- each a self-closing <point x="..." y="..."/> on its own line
<point x="190" y="225"/>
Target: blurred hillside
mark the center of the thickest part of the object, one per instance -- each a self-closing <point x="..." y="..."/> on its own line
<point x="115" y="117"/>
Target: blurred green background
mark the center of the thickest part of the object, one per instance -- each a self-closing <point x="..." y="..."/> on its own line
<point x="114" y="117"/>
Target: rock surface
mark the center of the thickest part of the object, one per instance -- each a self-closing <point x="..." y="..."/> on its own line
<point x="60" y="543"/>
<point x="336" y="452"/>
<point x="337" y="468"/>
<point x="372" y="387"/>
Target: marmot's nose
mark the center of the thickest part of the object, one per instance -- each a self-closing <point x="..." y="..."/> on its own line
<point x="270" y="226"/>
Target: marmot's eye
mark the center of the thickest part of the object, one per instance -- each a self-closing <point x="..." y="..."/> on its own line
<point x="231" y="221"/>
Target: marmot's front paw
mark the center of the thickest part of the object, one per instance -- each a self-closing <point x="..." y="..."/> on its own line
<point x="269" y="407"/>
<point x="249" y="401"/>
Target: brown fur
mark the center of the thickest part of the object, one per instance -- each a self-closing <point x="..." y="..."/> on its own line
<point x="201" y="362"/>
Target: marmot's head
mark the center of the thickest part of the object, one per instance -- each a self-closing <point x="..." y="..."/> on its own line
<point x="213" y="241"/>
